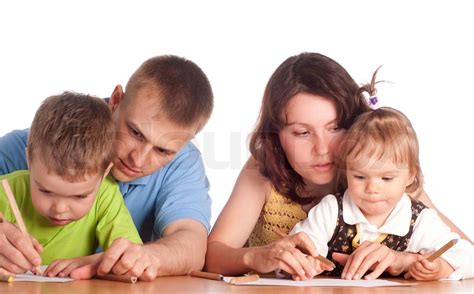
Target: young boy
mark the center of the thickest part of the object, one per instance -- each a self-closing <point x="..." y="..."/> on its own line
<point x="68" y="203"/>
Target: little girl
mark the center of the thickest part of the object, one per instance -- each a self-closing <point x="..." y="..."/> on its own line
<point x="379" y="160"/>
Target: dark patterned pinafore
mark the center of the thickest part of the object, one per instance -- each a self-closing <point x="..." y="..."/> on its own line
<point x="344" y="234"/>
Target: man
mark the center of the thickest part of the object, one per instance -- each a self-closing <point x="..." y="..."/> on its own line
<point x="160" y="172"/>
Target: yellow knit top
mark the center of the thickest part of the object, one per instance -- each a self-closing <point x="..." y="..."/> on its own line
<point x="278" y="212"/>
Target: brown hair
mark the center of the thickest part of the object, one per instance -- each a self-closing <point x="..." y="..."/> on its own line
<point x="310" y="73"/>
<point x="185" y="92"/>
<point x="387" y="135"/>
<point x="73" y="135"/>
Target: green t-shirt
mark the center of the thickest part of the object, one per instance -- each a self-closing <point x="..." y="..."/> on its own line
<point x="107" y="220"/>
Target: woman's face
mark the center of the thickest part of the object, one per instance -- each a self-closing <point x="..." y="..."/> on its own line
<point x="311" y="137"/>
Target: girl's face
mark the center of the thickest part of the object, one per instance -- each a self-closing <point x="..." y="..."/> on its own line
<point x="375" y="185"/>
<point x="311" y="138"/>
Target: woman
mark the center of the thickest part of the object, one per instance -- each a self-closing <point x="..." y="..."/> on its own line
<point x="308" y="103"/>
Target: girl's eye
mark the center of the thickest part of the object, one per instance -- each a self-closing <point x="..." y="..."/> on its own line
<point x="387" y="179"/>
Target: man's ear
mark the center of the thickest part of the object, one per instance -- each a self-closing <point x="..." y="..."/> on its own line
<point x="107" y="171"/>
<point x="116" y="97"/>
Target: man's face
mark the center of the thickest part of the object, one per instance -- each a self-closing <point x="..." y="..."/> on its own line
<point x="146" y="139"/>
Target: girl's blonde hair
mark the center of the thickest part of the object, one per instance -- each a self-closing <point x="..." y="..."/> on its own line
<point x="386" y="134"/>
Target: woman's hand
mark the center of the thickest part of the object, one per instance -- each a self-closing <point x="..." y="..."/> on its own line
<point x="287" y="254"/>
<point x="371" y="256"/>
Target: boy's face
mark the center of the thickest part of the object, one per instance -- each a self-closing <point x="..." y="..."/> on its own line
<point x="376" y="186"/>
<point x="146" y="140"/>
<point x="58" y="200"/>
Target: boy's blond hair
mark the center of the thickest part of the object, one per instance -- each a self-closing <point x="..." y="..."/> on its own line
<point x="387" y="135"/>
<point x="72" y="135"/>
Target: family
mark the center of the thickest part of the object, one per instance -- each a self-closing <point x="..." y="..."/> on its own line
<point x="115" y="186"/>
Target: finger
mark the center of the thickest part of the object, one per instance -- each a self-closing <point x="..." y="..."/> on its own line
<point x="112" y="255"/>
<point x="340" y="258"/>
<point x="307" y="263"/>
<point x="84" y="272"/>
<point x="5" y="272"/>
<point x="429" y="266"/>
<point x="380" y="268"/>
<point x="304" y="243"/>
<point x="138" y="269"/>
<point x="51" y="270"/>
<point x="36" y="245"/>
<point x="128" y="259"/>
<point x="356" y="259"/>
<point x="22" y="244"/>
<point x="287" y="257"/>
<point x="70" y="267"/>
<point x="373" y="259"/>
<point x="11" y="267"/>
<point x="150" y="273"/>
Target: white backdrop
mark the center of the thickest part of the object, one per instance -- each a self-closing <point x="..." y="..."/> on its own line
<point x="90" y="46"/>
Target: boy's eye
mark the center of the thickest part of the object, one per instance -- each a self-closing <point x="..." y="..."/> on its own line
<point x="45" y="191"/>
<point x="81" y="196"/>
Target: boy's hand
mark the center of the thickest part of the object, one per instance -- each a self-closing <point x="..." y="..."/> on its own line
<point x="19" y="253"/>
<point x="425" y="270"/>
<point x="66" y="267"/>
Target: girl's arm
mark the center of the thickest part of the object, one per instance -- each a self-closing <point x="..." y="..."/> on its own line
<point x="423" y="197"/>
<point x="225" y="254"/>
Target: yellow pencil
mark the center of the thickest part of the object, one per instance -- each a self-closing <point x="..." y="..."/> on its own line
<point x="17" y="214"/>
<point x="244" y="279"/>
<point x="319" y="257"/>
<point x="207" y="275"/>
<point x="7" y="279"/>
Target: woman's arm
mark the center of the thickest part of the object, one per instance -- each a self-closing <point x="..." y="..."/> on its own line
<point x="423" y="197"/>
<point x="225" y="254"/>
<point x="235" y="223"/>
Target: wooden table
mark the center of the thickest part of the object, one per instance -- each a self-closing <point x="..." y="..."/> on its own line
<point x="185" y="284"/>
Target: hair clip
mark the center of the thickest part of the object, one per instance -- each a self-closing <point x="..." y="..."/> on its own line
<point x="372" y="101"/>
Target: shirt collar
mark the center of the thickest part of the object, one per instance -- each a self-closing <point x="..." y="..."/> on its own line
<point x="138" y="182"/>
<point x="398" y="222"/>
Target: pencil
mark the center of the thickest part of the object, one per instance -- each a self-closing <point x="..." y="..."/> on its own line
<point x="244" y="279"/>
<point x="206" y="275"/>
<point x="117" y="278"/>
<point x="436" y="254"/>
<point x="17" y="214"/>
<point x="318" y="257"/>
<point x="7" y="279"/>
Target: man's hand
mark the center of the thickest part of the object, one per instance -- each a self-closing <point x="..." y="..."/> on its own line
<point x="19" y="252"/>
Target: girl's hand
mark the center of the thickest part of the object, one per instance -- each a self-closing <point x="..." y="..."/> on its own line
<point x="65" y="267"/>
<point x="318" y="266"/>
<point x="425" y="270"/>
<point x="286" y="254"/>
<point x="370" y="256"/>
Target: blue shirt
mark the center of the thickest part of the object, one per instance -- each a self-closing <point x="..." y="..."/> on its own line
<point x="178" y="190"/>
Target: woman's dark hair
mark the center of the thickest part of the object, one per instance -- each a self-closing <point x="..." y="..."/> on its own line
<point x="310" y="73"/>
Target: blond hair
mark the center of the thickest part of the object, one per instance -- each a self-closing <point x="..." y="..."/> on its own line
<point x="72" y="135"/>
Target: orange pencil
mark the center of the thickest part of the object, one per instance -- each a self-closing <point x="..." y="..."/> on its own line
<point x="207" y="275"/>
<point x="117" y="278"/>
<point x="319" y="257"/>
<point x="17" y="214"/>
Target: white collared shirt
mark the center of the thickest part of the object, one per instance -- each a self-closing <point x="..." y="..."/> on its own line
<point x="429" y="233"/>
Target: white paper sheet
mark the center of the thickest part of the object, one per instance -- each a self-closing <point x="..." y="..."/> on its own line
<point x="29" y="277"/>
<point x="323" y="283"/>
